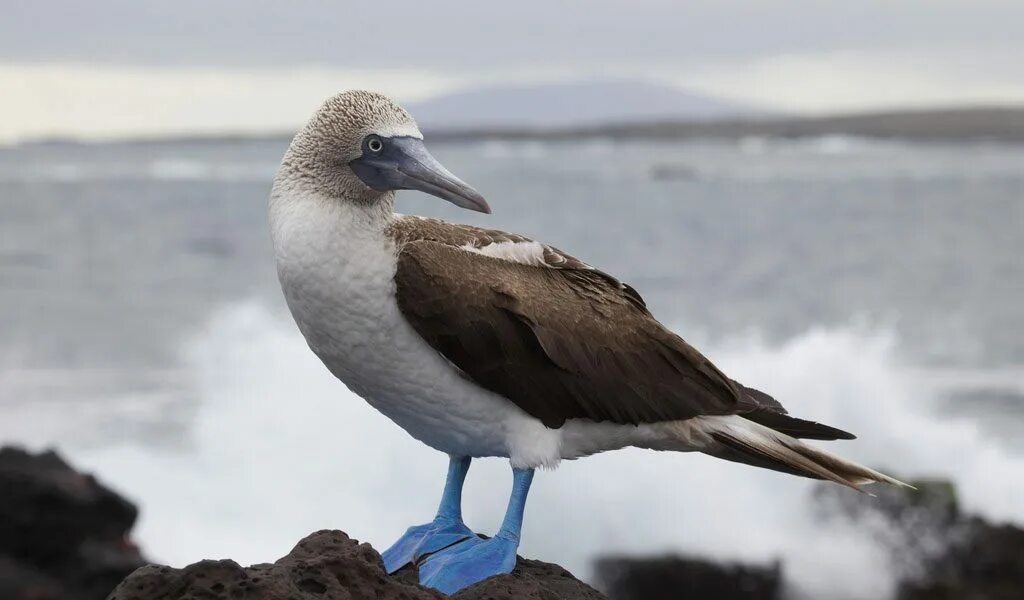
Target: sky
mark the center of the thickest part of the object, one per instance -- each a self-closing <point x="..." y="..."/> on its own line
<point x="109" y="68"/>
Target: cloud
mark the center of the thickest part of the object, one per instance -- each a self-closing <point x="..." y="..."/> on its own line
<point x="863" y="80"/>
<point x="102" y="102"/>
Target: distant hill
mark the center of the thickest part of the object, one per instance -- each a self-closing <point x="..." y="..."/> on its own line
<point x="964" y="124"/>
<point x="560" y="105"/>
<point x="1005" y="124"/>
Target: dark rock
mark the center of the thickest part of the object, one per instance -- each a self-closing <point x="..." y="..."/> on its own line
<point x="20" y="581"/>
<point x="328" y="565"/>
<point x="915" y="526"/>
<point x="940" y="553"/>
<point x="63" y="535"/>
<point x="672" y="577"/>
<point x="986" y="562"/>
<point x="937" y="551"/>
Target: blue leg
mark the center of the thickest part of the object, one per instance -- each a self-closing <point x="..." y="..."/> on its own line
<point x="446" y="529"/>
<point x="474" y="560"/>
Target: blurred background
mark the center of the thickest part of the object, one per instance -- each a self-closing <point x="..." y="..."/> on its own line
<point x="827" y="198"/>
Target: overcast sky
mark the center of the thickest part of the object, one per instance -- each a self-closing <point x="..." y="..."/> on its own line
<point x="797" y="55"/>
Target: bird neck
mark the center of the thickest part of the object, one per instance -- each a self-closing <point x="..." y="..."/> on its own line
<point x="360" y="215"/>
<point x="308" y="223"/>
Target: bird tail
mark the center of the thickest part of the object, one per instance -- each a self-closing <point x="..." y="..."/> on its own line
<point x="741" y="440"/>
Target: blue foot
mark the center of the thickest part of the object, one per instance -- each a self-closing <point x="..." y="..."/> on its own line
<point x="421" y="540"/>
<point x="468" y="562"/>
<point x="473" y="560"/>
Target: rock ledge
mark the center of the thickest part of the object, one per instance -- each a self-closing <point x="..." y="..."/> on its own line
<point x="329" y="565"/>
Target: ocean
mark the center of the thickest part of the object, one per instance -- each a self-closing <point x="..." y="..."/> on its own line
<point x="876" y="286"/>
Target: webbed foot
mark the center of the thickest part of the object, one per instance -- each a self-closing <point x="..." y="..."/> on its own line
<point x="468" y="562"/>
<point x="421" y="540"/>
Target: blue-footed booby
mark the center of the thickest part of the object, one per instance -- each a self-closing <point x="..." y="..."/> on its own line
<point x="483" y="343"/>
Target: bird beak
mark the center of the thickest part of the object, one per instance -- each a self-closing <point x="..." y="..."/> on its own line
<point x="405" y="164"/>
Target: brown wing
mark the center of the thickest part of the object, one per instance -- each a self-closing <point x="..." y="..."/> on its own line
<point x="559" y="343"/>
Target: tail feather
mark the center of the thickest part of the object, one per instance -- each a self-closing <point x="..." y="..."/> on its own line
<point x="798" y="428"/>
<point x="761" y="408"/>
<point x="740" y="440"/>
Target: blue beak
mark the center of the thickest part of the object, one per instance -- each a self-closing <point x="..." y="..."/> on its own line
<point x="403" y="163"/>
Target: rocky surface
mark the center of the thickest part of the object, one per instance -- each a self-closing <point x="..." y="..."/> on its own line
<point x="670" y="577"/>
<point x="939" y="552"/>
<point x="328" y="565"/>
<point x="63" y="535"/>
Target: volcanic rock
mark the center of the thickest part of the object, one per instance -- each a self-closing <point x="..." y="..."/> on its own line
<point x="329" y="565"/>
<point x="63" y="535"/>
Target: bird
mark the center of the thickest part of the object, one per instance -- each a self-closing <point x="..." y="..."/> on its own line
<point x="481" y="343"/>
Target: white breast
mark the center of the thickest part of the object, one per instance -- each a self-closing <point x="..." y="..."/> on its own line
<point x="336" y="268"/>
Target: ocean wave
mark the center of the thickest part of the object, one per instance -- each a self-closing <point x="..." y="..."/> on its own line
<point x="279" y="448"/>
<point x="91" y="408"/>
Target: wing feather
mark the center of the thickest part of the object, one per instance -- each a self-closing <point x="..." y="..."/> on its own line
<point x="561" y="343"/>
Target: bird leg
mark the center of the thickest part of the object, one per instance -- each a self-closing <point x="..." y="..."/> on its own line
<point x="473" y="560"/>
<point x="445" y="530"/>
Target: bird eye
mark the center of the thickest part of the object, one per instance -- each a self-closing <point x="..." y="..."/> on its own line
<point x="374" y="144"/>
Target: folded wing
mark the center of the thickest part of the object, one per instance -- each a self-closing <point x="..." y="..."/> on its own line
<point x="561" y="343"/>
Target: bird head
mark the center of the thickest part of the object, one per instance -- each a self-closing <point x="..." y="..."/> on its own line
<point x="361" y="146"/>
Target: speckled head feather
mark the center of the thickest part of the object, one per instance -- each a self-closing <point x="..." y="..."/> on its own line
<point x="320" y="152"/>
